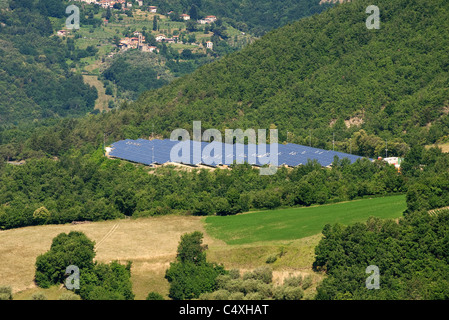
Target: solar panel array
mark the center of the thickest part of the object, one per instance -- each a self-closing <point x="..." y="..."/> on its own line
<point x="189" y="152"/>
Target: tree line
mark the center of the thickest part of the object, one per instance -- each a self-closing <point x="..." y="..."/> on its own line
<point x="92" y="187"/>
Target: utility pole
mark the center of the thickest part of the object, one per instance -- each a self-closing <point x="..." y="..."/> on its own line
<point x="333" y="141"/>
<point x="310" y="137"/>
<point x="386" y="149"/>
<point x="152" y="146"/>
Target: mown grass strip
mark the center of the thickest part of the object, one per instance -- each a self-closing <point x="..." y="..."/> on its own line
<point x="297" y="223"/>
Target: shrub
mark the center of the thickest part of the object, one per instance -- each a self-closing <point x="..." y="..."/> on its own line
<point x="41" y="215"/>
<point x="292" y="293"/>
<point x="264" y="274"/>
<point x="288" y="293"/>
<point x="5" y="296"/>
<point x="272" y="258"/>
<point x="155" y="296"/>
<point x="234" y="285"/>
<point x="265" y="289"/>
<point x="236" y="296"/>
<point x="69" y="296"/>
<point x="234" y="273"/>
<point x="253" y="296"/>
<point x="221" y="295"/>
<point x="5" y="293"/>
<point x="206" y="296"/>
<point x="250" y="285"/>
<point x="293" y="281"/>
<point x="307" y="282"/>
<point x="189" y="280"/>
<point x="38" y="296"/>
<point x="222" y="280"/>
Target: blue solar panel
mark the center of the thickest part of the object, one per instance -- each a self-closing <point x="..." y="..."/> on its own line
<point x="216" y="153"/>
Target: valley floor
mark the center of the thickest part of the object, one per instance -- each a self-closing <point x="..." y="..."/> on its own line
<point x="151" y="244"/>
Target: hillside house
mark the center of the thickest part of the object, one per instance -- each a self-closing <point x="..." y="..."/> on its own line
<point x="152" y="9"/>
<point x="147" y="48"/>
<point x="106" y="3"/>
<point x="210" y="45"/>
<point x="208" y="20"/>
<point x="185" y="17"/>
<point x="160" y="38"/>
<point x="88" y="1"/>
<point x="396" y="161"/>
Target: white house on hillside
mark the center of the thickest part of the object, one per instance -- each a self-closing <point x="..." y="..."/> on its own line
<point x="185" y="17"/>
<point x="160" y="37"/>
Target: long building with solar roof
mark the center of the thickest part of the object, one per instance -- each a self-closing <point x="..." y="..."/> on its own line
<point x="214" y="154"/>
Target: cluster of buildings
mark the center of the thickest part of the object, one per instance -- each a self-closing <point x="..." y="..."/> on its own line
<point x="110" y="3"/>
<point x="153" y="9"/>
<point x="136" y="42"/>
<point x="175" y="39"/>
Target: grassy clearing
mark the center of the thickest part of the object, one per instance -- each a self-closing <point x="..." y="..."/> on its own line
<point x="150" y="243"/>
<point x="444" y="146"/>
<point x="52" y="293"/>
<point x="289" y="235"/>
<point x="296" y="223"/>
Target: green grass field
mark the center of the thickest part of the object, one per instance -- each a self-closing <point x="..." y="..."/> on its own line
<point x="297" y="223"/>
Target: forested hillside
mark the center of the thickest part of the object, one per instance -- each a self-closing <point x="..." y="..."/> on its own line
<point x="321" y="71"/>
<point x="255" y="16"/>
<point x="35" y="80"/>
<point x="311" y="77"/>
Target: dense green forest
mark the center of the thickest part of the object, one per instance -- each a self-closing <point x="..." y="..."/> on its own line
<point x="412" y="256"/>
<point x="134" y="72"/>
<point x="36" y="82"/>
